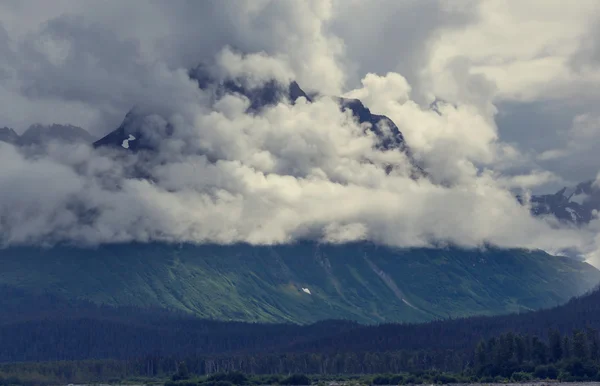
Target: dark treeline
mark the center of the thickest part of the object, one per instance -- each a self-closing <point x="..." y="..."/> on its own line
<point x="574" y="357"/>
<point x="87" y="342"/>
<point x="507" y="357"/>
<point x="153" y="367"/>
<point x="45" y="328"/>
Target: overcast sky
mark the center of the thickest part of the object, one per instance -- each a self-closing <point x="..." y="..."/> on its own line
<point x="521" y="81"/>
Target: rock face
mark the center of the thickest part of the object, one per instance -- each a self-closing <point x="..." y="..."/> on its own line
<point x="267" y="94"/>
<point x="132" y="126"/>
<point x="9" y="135"/>
<point x="578" y="205"/>
<point x="382" y="126"/>
<point x="38" y="135"/>
<point x="148" y="129"/>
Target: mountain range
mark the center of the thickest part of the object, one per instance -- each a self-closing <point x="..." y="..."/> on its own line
<point x="306" y="281"/>
<point x="132" y="135"/>
<point x="43" y="327"/>
<point x="9" y="135"/>
<point x="577" y="205"/>
<point x="39" y="135"/>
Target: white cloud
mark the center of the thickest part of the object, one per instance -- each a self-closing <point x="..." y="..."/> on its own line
<point x="306" y="170"/>
<point x="525" y="49"/>
<point x="99" y="60"/>
<point x="253" y="68"/>
<point x="449" y="142"/>
<point x="289" y="172"/>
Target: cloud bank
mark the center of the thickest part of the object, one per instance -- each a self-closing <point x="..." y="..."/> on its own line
<point x="290" y="171"/>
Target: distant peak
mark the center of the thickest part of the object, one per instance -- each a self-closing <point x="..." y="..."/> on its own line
<point x="571" y="204"/>
<point x="38" y="134"/>
<point x="7" y="130"/>
<point x="9" y="135"/>
<point x="149" y="134"/>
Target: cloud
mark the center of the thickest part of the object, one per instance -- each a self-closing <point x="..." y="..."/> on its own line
<point x="256" y="69"/>
<point x="395" y="36"/>
<point x="291" y="171"/>
<point x="97" y="61"/>
<point x="579" y="148"/>
<point x="306" y="170"/>
<point x="449" y="141"/>
<point x="526" y="49"/>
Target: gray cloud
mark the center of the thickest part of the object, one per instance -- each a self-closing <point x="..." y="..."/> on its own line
<point x="111" y="55"/>
<point x="395" y="35"/>
<point x="290" y="172"/>
<point x="306" y="170"/>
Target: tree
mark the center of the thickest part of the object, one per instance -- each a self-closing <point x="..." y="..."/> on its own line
<point x="593" y="343"/>
<point x="556" y="345"/>
<point x="580" y="349"/>
<point x="520" y="349"/>
<point x="566" y="347"/>
<point x="480" y="355"/>
<point x="538" y="350"/>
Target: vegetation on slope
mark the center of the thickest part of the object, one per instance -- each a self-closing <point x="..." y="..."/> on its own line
<point x="357" y="281"/>
<point x="561" y="342"/>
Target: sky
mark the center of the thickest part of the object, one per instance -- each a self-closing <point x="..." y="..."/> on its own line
<point x="517" y="84"/>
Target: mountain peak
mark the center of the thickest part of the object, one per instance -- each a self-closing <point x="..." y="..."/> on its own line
<point x="39" y="134"/>
<point x="382" y="126"/>
<point x="9" y="135"/>
<point x="139" y="130"/>
<point x="575" y="204"/>
<point x="267" y="94"/>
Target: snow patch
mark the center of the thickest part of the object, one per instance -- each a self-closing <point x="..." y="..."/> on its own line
<point x="125" y="143"/>
<point x="306" y="290"/>
<point x="569" y="192"/>
<point x="572" y="213"/>
<point x="579" y="198"/>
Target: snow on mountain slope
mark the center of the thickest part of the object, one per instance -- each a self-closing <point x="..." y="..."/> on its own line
<point x="578" y="204"/>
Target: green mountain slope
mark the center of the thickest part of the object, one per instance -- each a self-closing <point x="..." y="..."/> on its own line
<point x="357" y="281"/>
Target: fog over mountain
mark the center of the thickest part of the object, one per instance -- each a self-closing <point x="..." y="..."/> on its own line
<point x="222" y="171"/>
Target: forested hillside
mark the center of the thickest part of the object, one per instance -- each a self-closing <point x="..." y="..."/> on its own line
<point x="81" y="330"/>
<point x="559" y="343"/>
<point x="301" y="282"/>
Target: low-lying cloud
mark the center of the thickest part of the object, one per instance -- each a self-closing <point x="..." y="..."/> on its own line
<point x="287" y="172"/>
<point x="306" y="170"/>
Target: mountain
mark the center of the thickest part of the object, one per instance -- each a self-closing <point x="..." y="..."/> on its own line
<point x="41" y="326"/>
<point x="8" y="135"/>
<point x="382" y="126"/>
<point x="132" y="134"/>
<point x="303" y="282"/>
<point x="577" y="205"/>
<point x="129" y="135"/>
<point x="38" y="134"/>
